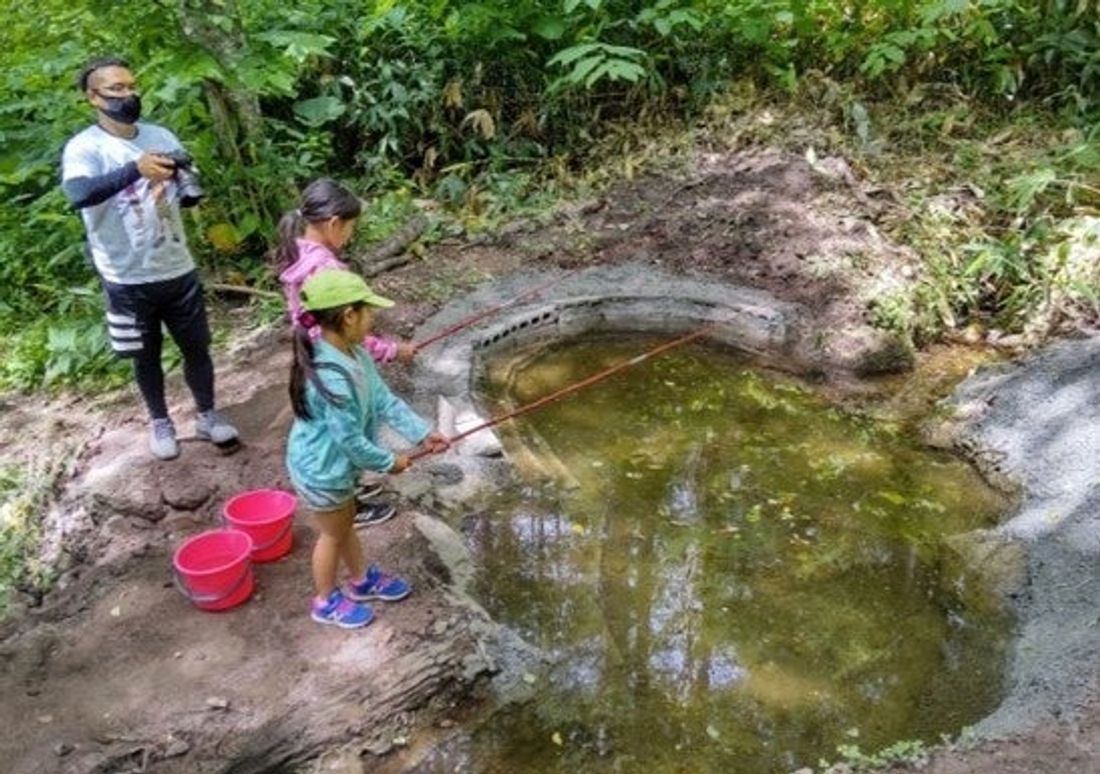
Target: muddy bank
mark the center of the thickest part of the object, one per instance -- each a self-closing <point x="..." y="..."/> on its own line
<point x="116" y="671"/>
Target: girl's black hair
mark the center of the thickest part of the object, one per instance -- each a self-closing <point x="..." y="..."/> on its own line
<point x="322" y="199"/>
<point x="303" y="369"/>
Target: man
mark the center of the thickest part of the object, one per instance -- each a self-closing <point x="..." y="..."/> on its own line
<point x="115" y="172"/>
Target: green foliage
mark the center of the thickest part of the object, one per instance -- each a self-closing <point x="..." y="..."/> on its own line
<point x="589" y="63"/>
<point x="23" y="493"/>
<point x="447" y="96"/>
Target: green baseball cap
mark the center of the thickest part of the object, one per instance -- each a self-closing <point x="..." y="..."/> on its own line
<point x="330" y="288"/>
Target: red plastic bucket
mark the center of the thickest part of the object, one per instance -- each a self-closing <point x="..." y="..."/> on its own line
<point x="267" y="516"/>
<point x="214" y="569"/>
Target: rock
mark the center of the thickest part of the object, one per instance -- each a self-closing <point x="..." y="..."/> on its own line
<point x="183" y="522"/>
<point x="120" y="489"/>
<point x="999" y="560"/>
<point x="142" y="500"/>
<point x="92" y="761"/>
<point x="175" y="748"/>
<point x="379" y="747"/>
<point x="1011" y="341"/>
<point x="117" y="526"/>
<point x="450" y="550"/>
<point x="217" y="703"/>
<point x="972" y="334"/>
<point x="412" y="487"/>
<point x="61" y="749"/>
<point x="869" y="352"/>
<point x="483" y="443"/>
<point x="186" y="492"/>
<point x="446" y="473"/>
<point x="439" y="628"/>
<point x="341" y="762"/>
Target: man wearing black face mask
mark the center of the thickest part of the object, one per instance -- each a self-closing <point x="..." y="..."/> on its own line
<point x="115" y="173"/>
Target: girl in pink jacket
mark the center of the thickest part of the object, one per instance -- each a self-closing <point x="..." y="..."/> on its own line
<point x="310" y="238"/>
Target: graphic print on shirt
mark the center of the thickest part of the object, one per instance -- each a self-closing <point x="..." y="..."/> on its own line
<point x="147" y="217"/>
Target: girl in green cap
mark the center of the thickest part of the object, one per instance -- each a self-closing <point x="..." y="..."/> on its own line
<point x="339" y="401"/>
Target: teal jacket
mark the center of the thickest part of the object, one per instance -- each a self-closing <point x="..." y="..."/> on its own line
<point x="331" y="449"/>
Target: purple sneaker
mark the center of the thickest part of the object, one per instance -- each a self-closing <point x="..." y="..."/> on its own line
<point x="340" y="611"/>
<point x="377" y="585"/>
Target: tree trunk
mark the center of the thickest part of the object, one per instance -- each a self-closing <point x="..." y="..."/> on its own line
<point x="216" y="27"/>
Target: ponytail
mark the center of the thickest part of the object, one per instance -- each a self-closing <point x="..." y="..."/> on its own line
<point x="301" y="370"/>
<point x="286" y="252"/>
<point x="322" y="200"/>
<point x="302" y="367"/>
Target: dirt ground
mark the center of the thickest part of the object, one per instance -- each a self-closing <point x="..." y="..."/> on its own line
<point x="114" y="671"/>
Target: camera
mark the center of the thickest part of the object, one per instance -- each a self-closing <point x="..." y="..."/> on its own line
<point x="187" y="179"/>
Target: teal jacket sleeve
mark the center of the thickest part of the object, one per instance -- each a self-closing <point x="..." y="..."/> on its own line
<point x="392" y="410"/>
<point x="345" y="427"/>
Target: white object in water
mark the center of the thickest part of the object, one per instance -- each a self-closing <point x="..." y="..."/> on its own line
<point x="453" y="421"/>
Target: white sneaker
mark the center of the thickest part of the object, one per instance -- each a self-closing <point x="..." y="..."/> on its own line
<point x="162" y="439"/>
<point x="214" y="427"/>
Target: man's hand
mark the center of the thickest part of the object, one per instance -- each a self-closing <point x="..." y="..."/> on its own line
<point x="400" y="463"/>
<point x="155" y="167"/>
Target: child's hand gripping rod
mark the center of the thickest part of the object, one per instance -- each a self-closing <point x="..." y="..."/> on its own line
<point x="468" y="321"/>
<point x="568" y="389"/>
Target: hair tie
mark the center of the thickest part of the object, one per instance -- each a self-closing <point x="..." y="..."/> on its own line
<point x="306" y="319"/>
<point x="298" y="213"/>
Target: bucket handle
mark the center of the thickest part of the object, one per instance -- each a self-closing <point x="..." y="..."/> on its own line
<point x="263" y="546"/>
<point x="209" y="598"/>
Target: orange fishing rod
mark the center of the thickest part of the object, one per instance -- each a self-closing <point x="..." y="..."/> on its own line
<point x="569" y="389"/>
<point x="468" y="321"/>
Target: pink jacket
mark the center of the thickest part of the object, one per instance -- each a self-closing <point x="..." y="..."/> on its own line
<point x="312" y="257"/>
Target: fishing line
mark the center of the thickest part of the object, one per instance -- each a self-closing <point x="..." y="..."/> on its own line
<point x="571" y="388"/>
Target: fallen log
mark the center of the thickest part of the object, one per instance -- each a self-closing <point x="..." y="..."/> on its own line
<point x="390" y="253"/>
<point x="221" y="287"/>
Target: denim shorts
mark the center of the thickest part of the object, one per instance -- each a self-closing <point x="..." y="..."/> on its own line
<point x="322" y="499"/>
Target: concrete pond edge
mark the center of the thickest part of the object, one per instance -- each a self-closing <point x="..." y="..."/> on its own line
<point x="1043" y="559"/>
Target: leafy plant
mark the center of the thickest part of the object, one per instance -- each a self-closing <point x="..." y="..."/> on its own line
<point x="593" y="62"/>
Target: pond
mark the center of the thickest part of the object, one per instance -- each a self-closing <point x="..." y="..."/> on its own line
<point x="728" y="572"/>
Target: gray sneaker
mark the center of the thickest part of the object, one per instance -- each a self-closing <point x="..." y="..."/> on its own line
<point x="162" y="440"/>
<point x="214" y="427"/>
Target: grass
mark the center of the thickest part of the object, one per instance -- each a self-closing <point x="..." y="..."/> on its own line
<point x="25" y="492"/>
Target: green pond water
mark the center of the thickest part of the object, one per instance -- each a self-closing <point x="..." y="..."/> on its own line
<point x="729" y="573"/>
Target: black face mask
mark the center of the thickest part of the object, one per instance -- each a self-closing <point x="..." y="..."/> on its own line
<point x="125" y="110"/>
